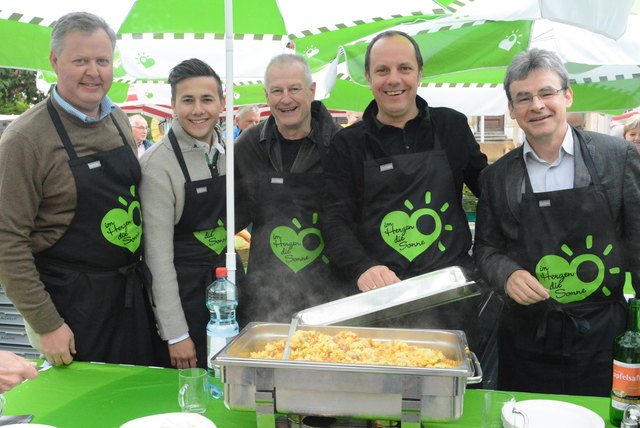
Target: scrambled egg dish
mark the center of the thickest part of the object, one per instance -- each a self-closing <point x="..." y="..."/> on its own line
<point x="348" y="347"/>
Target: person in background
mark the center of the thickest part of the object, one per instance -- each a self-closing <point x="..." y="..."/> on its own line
<point x="631" y="132"/>
<point x="183" y="206"/>
<point x="246" y="117"/>
<point x="352" y="117"/>
<point x="14" y="370"/>
<point x="278" y="184"/>
<point x="139" y="130"/>
<point x="557" y="229"/>
<point x="70" y="235"/>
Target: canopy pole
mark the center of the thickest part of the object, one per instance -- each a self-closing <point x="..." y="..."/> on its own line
<point x="230" y="178"/>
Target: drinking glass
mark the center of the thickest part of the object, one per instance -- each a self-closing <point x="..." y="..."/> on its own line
<point x="193" y="392"/>
<point x="499" y="411"/>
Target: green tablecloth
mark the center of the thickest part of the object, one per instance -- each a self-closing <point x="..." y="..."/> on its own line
<point x="106" y="396"/>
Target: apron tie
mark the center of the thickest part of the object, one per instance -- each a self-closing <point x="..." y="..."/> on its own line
<point x="135" y="273"/>
<point x="576" y="314"/>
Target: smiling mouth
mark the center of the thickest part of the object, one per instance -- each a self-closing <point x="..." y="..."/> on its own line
<point x="288" y="110"/>
<point x="394" y="93"/>
<point x="539" y="119"/>
<point x="198" y="121"/>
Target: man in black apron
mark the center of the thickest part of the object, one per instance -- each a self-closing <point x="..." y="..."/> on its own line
<point x="393" y="191"/>
<point x="71" y="222"/>
<point x="183" y="203"/>
<point x="558" y="231"/>
<point x="278" y="187"/>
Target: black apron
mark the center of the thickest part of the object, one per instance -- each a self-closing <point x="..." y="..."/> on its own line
<point x="93" y="273"/>
<point x="288" y="270"/>
<point x="412" y="220"/>
<point x="199" y="246"/>
<point x="413" y="223"/>
<point x="567" y="239"/>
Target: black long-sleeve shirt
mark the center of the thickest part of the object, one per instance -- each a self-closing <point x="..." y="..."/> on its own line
<point x="344" y="172"/>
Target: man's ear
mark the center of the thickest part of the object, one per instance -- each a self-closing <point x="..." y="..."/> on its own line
<point x="53" y="59"/>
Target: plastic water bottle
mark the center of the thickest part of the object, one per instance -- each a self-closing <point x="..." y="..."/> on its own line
<point x="222" y="300"/>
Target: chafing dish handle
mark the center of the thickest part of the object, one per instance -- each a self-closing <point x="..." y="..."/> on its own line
<point x="477" y="370"/>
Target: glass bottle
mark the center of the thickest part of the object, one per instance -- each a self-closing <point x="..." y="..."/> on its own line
<point x="625" y="389"/>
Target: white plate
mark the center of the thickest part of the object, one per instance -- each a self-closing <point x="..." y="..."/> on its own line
<point x="170" y="420"/>
<point x="554" y="414"/>
<point x="27" y="425"/>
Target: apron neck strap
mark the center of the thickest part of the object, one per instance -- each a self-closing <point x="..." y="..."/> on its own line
<point x="179" y="156"/>
<point x="64" y="136"/>
<point x="62" y="133"/>
<point x="587" y="159"/>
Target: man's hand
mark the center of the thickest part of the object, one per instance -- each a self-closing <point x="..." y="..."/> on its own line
<point x="376" y="276"/>
<point x="14" y="370"/>
<point x="58" y="345"/>
<point x="525" y="289"/>
<point x="183" y="354"/>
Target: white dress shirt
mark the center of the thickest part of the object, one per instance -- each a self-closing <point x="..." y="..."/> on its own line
<point x="548" y="177"/>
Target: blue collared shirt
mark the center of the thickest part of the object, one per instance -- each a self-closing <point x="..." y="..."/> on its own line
<point x="548" y="177"/>
<point x="106" y="107"/>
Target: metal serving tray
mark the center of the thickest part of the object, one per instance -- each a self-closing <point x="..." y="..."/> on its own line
<point x="402" y="298"/>
<point x="358" y="391"/>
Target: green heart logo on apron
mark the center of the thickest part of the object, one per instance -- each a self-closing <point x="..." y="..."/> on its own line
<point x="399" y="230"/>
<point x="118" y="226"/>
<point x="215" y="239"/>
<point x="288" y="246"/>
<point x="560" y="276"/>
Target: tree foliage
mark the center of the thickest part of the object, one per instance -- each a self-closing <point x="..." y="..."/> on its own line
<point x="18" y="90"/>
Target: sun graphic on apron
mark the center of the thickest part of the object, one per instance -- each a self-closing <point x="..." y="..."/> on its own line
<point x="565" y="278"/>
<point x="297" y="248"/>
<point x="400" y="231"/>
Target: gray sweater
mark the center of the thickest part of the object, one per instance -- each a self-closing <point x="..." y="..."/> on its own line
<point x="162" y="197"/>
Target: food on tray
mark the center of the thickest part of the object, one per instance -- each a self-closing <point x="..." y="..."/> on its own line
<point x="348" y="347"/>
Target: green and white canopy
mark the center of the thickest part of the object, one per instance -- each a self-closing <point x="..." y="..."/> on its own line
<point x="466" y="44"/>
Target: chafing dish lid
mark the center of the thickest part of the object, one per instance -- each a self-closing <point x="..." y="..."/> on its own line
<point x="411" y="295"/>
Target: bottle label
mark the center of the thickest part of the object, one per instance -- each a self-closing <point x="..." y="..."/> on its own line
<point x="626" y="384"/>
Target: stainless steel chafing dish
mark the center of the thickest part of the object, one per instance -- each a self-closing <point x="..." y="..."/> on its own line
<point x="412" y="395"/>
<point x="357" y="391"/>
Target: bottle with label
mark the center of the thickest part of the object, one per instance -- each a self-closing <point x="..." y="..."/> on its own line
<point x="625" y="389"/>
<point x="222" y="300"/>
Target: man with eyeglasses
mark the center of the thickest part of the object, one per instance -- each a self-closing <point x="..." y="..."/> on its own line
<point x="556" y="232"/>
<point x="139" y="130"/>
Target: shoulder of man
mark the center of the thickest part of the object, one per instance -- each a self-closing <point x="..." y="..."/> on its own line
<point x="252" y="135"/>
<point x="501" y="167"/>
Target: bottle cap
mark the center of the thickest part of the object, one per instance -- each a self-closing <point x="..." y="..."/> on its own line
<point x="631" y="416"/>
<point x="221" y="272"/>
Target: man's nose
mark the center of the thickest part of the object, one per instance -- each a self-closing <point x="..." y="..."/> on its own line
<point x="92" y="68"/>
<point x="394" y="76"/>
<point x="198" y="107"/>
<point x="536" y="102"/>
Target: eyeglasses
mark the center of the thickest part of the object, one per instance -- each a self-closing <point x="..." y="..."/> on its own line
<point x="545" y="95"/>
<point x="141" y="127"/>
